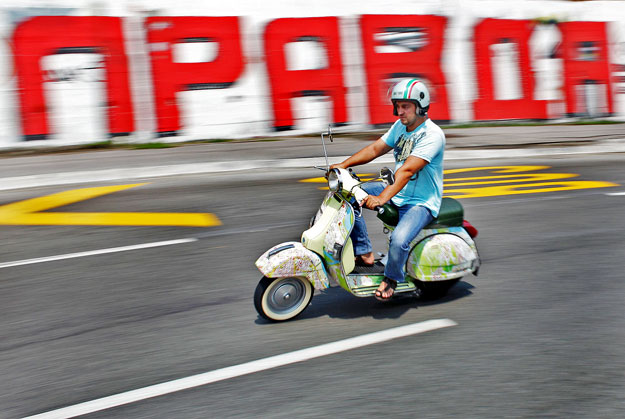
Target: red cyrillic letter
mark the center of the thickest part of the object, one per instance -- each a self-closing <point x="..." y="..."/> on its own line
<point x="516" y="34"/>
<point x="170" y="77"/>
<point x="287" y="84"/>
<point x="422" y="37"/>
<point x="47" y="35"/>
<point x="586" y="66"/>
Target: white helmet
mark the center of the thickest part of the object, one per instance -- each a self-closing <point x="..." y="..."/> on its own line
<point x="413" y="90"/>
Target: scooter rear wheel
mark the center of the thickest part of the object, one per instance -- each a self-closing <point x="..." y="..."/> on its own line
<point x="432" y="290"/>
<point x="280" y="299"/>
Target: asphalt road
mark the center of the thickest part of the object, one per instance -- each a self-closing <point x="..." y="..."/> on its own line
<point x="539" y="332"/>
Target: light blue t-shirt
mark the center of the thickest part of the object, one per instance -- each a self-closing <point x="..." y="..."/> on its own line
<point x="426" y="142"/>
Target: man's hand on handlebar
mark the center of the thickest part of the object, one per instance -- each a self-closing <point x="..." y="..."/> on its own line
<point x="372" y="202"/>
<point x="336" y="166"/>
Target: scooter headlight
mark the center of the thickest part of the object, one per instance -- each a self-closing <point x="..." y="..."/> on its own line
<point x="334" y="183"/>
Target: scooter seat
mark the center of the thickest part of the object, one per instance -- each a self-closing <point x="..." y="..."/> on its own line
<point x="451" y="214"/>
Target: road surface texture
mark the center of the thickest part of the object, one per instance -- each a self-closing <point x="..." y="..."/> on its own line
<point x="538" y="333"/>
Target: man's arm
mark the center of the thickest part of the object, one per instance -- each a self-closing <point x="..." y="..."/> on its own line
<point x="364" y="156"/>
<point x="411" y="166"/>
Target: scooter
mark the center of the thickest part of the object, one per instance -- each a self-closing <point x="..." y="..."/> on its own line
<point x="442" y="253"/>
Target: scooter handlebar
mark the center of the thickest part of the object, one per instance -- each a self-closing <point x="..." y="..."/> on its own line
<point x="378" y="208"/>
<point x="360" y="195"/>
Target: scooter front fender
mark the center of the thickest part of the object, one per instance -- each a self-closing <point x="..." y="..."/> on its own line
<point x="293" y="259"/>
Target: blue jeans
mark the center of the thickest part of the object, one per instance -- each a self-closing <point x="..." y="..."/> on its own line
<point x="412" y="219"/>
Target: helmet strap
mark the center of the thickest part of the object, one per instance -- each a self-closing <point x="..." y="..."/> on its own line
<point x="420" y="111"/>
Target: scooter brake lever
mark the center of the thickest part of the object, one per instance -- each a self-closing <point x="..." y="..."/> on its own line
<point x="354" y="175"/>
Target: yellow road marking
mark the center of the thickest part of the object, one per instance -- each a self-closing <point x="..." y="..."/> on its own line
<point x="526" y="183"/>
<point x="509" y="178"/>
<point x="498" y="169"/>
<point x="28" y="212"/>
<point x="527" y="188"/>
<point x="504" y="180"/>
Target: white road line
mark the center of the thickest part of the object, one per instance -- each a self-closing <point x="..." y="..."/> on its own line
<point x="615" y="193"/>
<point x="96" y="252"/>
<point x="243" y="369"/>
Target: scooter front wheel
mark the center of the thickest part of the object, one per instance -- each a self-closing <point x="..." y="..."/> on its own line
<point x="280" y="299"/>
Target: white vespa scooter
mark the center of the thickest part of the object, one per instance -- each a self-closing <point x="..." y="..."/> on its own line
<point x="442" y="253"/>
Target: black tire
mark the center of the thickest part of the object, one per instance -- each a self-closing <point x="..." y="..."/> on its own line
<point x="281" y="299"/>
<point x="432" y="290"/>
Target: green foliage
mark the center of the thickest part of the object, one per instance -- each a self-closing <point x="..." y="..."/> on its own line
<point x="98" y="145"/>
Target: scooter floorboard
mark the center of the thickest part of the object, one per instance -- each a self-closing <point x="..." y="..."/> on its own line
<point x="376" y="269"/>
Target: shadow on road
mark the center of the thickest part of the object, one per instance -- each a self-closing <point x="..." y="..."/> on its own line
<point x="337" y="303"/>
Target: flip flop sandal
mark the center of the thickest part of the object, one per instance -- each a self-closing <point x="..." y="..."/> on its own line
<point x="389" y="284"/>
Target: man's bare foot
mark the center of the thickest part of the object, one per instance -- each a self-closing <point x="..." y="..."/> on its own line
<point x="366" y="259"/>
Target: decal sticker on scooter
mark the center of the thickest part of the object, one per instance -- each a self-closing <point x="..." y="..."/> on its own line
<point x="293" y="261"/>
<point x="440" y="254"/>
<point x="340" y="229"/>
<point x="441" y="257"/>
<point x="335" y="240"/>
<point x="357" y="281"/>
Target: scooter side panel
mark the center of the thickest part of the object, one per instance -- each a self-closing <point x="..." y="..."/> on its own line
<point x="314" y="238"/>
<point x="338" y="250"/>
<point x="293" y="259"/>
<point x="347" y="258"/>
<point x="329" y="237"/>
<point x="442" y="254"/>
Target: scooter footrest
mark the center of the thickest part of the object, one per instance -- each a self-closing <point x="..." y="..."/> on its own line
<point x="370" y="291"/>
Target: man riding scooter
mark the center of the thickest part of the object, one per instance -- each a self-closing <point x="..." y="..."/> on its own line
<point x="418" y="145"/>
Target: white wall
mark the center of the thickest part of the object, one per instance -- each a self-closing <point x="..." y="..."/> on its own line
<point x="244" y="110"/>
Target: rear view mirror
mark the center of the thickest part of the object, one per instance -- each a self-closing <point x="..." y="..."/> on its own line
<point x="387" y="175"/>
